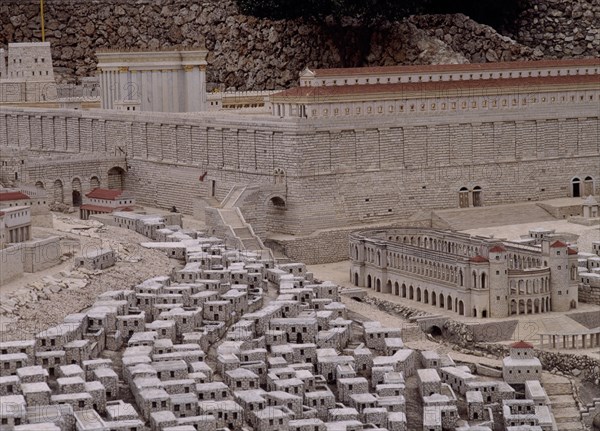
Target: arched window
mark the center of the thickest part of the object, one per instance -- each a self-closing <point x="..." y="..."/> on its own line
<point x="277" y="202"/>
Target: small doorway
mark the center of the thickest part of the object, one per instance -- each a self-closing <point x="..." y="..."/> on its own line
<point x="213" y="188"/>
<point x="76" y="198"/>
<point x="576" y="187"/>
<point x="463" y="198"/>
<point x="477" y="197"/>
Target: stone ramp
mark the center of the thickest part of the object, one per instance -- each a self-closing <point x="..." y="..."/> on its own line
<point x="497" y="215"/>
<point x="564" y="407"/>
<point x="233" y="196"/>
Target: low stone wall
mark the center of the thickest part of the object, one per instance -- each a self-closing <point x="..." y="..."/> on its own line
<point x="40" y="254"/>
<point x="11" y="263"/>
<point x="327" y="246"/>
<point x="589" y="294"/>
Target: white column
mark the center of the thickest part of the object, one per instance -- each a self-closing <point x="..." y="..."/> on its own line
<point x="194" y="91"/>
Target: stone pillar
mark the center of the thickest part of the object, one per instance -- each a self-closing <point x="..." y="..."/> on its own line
<point x="193" y="89"/>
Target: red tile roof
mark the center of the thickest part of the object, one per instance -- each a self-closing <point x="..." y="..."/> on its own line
<point x="13" y="196"/>
<point x="558" y="244"/>
<point x="497" y="249"/>
<point x="521" y="345"/>
<point x="108" y="194"/>
<point x="479" y="259"/>
<point x="571" y="251"/>
<point x="406" y="88"/>
<point x="444" y="68"/>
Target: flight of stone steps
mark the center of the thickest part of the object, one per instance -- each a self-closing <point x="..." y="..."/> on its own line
<point x="497" y="215"/>
<point x="564" y="407"/>
<point x="240" y="229"/>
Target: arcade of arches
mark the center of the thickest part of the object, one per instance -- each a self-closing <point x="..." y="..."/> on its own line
<point x="71" y="191"/>
<point x="468" y="275"/>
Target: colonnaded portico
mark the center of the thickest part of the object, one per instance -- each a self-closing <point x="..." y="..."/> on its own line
<point x="470" y="275"/>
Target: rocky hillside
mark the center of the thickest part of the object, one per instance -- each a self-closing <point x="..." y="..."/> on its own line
<point x="246" y="52"/>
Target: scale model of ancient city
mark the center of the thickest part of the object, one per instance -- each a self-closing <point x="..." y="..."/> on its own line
<point x="402" y="247"/>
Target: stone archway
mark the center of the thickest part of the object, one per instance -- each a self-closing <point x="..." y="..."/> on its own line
<point x="58" y="191"/>
<point x="463" y="197"/>
<point x="588" y="186"/>
<point x="477" y="196"/>
<point x="116" y="178"/>
<point x="94" y="182"/>
<point x="277" y="202"/>
<point x="76" y="192"/>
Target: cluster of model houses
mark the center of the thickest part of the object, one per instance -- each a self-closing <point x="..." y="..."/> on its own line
<point x="209" y="348"/>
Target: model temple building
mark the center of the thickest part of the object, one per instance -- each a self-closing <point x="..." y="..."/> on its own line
<point x="163" y="81"/>
<point x="346" y="147"/>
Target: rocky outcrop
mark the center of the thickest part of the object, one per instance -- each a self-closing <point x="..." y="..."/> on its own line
<point x="478" y="43"/>
<point x="561" y="28"/>
<point x="246" y="52"/>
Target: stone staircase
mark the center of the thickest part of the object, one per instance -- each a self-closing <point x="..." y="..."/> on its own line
<point x="242" y="232"/>
<point x="233" y="196"/>
<point x="497" y="215"/>
<point x="564" y="407"/>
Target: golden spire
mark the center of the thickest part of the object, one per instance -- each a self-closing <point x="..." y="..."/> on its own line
<point x="42" y="19"/>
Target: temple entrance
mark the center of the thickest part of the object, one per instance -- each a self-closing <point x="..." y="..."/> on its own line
<point x="463" y="198"/>
<point x="576" y="187"/>
<point x="477" y="197"/>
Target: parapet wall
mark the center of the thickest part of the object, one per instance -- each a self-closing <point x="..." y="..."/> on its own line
<point x="250" y="53"/>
